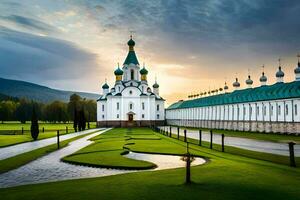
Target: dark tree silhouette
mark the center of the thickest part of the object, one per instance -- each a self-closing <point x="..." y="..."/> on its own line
<point x="75" y="119"/>
<point x="34" y="125"/>
<point x="82" y="120"/>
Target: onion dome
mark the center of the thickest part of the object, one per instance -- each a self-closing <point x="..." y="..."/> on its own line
<point x="297" y="70"/>
<point x="225" y="87"/>
<point x="131" y="42"/>
<point x="263" y="78"/>
<point x="105" y="86"/>
<point x="279" y="73"/>
<point x="249" y="81"/>
<point x="118" y="72"/>
<point x="155" y="85"/>
<point x="143" y="71"/>
<point x="236" y="83"/>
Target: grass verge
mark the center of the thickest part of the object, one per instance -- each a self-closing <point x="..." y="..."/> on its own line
<point x="24" y="158"/>
<point x="227" y="176"/>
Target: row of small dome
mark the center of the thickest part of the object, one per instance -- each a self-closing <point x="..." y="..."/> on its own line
<point x="119" y="71"/>
<point x="263" y="79"/>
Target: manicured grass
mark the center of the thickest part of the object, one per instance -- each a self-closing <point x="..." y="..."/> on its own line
<point x="11" y="133"/>
<point x="108" y="149"/>
<point x="273" y="137"/>
<point x="226" y="176"/>
<point x="22" y="159"/>
<point x="285" y="160"/>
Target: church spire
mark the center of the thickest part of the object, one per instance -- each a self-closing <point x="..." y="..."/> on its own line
<point x="131" y="57"/>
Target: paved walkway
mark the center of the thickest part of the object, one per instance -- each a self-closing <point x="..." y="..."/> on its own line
<point x="50" y="168"/>
<point x="7" y="152"/>
<point x="243" y="143"/>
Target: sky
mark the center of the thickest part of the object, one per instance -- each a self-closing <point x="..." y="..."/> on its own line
<point x="191" y="46"/>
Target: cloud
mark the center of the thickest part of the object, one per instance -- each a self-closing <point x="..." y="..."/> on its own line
<point x="29" y="23"/>
<point x="25" y="55"/>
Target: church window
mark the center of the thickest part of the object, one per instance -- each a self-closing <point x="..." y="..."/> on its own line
<point x="271" y="110"/>
<point x="286" y="109"/>
<point x="117" y="116"/>
<point x="102" y="116"/>
<point x="118" y="105"/>
<point x="157" y="107"/>
<point x="265" y="109"/>
<point x="279" y="110"/>
<point x="130" y="106"/>
<point x="296" y="109"/>
<point x="130" y="92"/>
<point x="257" y="110"/>
<point x="143" y="106"/>
<point x="157" y="116"/>
<point x="102" y="107"/>
<point x="132" y="74"/>
<point x="143" y="116"/>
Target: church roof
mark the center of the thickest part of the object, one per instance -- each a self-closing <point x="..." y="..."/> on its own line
<point x="262" y="93"/>
<point x="131" y="58"/>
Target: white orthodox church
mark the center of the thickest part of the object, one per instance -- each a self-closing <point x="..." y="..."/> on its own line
<point x="130" y="102"/>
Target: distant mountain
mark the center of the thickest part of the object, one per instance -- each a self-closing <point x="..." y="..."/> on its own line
<point x="22" y="89"/>
<point x="4" y="97"/>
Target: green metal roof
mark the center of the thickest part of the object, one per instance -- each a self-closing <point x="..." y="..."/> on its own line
<point x="144" y="71"/>
<point x="118" y="71"/>
<point x="131" y="58"/>
<point x="262" y="93"/>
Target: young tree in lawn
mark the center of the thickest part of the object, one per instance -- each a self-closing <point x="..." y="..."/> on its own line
<point x="34" y="124"/>
<point x="75" y="119"/>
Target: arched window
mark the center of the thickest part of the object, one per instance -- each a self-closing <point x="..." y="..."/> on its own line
<point x="296" y="109"/>
<point x="286" y="109"/>
<point x="132" y="74"/>
<point x="279" y="110"/>
<point x="130" y="106"/>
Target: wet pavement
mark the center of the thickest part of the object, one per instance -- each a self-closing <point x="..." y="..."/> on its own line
<point x="49" y="168"/>
<point x="243" y="143"/>
<point x="10" y="151"/>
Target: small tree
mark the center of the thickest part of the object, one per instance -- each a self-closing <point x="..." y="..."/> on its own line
<point x="82" y="121"/>
<point x="34" y="125"/>
<point x="75" y="119"/>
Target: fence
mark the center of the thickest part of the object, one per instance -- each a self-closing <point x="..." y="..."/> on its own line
<point x="167" y="131"/>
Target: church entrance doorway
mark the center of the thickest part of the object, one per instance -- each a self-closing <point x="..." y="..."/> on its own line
<point x="130" y="117"/>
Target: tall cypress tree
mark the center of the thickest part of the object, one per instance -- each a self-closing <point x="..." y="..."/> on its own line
<point x="75" y="119"/>
<point x="34" y="124"/>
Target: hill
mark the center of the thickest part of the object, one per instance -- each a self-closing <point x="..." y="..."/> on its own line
<point x="22" y="89"/>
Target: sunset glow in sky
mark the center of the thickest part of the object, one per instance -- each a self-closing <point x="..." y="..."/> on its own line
<point x="190" y="45"/>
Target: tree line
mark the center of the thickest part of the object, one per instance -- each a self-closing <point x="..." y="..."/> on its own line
<point x="56" y="111"/>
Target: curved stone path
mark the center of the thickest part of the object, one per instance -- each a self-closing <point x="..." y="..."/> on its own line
<point x="49" y="168"/>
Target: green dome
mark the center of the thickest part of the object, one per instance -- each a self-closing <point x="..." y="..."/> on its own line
<point x="297" y="70"/>
<point x="105" y="86"/>
<point x="118" y="72"/>
<point x="249" y="81"/>
<point x="155" y="85"/>
<point x="143" y="71"/>
<point x="131" y="42"/>
<point x="279" y="73"/>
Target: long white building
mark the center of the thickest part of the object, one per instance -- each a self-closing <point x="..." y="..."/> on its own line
<point x="130" y="102"/>
<point x="268" y="108"/>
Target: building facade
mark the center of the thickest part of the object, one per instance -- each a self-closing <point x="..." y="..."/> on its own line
<point x="268" y="108"/>
<point x="130" y="102"/>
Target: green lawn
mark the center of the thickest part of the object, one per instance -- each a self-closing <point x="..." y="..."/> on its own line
<point x="226" y="176"/>
<point x="22" y="159"/>
<point x="273" y="137"/>
<point x="11" y="132"/>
